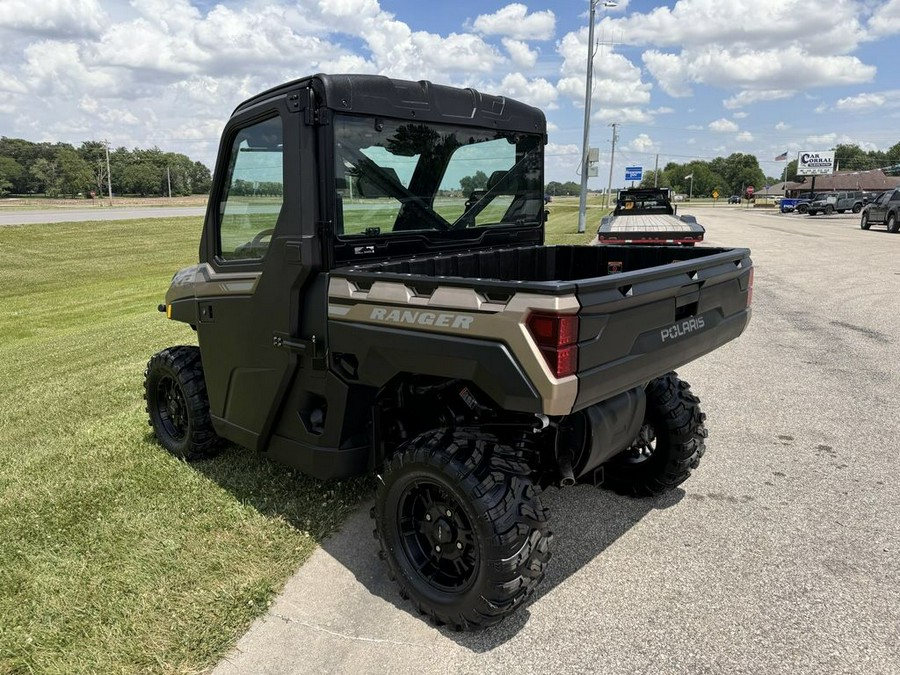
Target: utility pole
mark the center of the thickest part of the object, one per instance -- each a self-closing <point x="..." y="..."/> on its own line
<point x="108" y="174"/>
<point x="582" y="199"/>
<point x="169" y="180"/>
<point x="612" y="161"/>
<point x="656" y="172"/>
<point x="588" y="90"/>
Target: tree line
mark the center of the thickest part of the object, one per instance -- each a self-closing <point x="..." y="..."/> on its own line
<point x="725" y="175"/>
<point x="61" y="169"/>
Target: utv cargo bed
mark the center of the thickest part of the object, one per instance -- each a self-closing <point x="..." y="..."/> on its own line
<point x="641" y="311"/>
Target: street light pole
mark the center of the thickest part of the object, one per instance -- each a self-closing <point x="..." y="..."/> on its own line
<point x="582" y="199"/>
<point x="588" y="90"/>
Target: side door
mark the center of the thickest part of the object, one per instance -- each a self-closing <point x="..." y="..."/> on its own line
<point x="893" y="206"/>
<point x="878" y="209"/>
<point x="252" y="263"/>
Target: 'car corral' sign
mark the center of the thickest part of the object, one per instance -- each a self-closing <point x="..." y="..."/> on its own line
<point x="815" y="163"/>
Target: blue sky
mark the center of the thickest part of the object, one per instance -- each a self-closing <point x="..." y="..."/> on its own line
<point x="684" y="80"/>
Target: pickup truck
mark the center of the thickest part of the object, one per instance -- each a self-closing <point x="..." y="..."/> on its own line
<point x="647" y="216"/>
<point x="358" y="312"/>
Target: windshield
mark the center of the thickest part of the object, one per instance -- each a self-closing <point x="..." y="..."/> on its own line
<point x="403" y="176"/>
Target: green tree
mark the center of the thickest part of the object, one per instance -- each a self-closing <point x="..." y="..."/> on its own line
<point x="11" y="173"/>
<point x="142" y="178"/>
<point x="74" y="172"/>
<point x="46" y="174"/>
<point x="471" y="183"/>
<point x="791" y="171"/>
<point x="849" y="157"/>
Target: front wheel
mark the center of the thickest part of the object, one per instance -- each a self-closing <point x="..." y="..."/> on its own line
<point x="864" y="221"/>
<point x="175" y="392"/>
<point x="892" y="224"/>
<point x="857" y="208"/>
<point x="461" y="526"/>
<point x="668" y="447"/>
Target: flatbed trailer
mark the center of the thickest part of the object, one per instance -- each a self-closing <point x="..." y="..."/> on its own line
<point x="647" y="216"/>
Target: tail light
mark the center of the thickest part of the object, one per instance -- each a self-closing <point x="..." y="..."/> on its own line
<point x="750" y="288"/>
<point x="556" y="336"/>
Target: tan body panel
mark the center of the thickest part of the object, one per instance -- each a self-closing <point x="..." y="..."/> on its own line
<point x="462" y="312"/>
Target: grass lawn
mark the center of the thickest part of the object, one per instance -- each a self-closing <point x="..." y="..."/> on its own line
<point x="114" y="556"/>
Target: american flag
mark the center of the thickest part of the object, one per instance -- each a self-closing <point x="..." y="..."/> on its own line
<point x="781" y="157"/>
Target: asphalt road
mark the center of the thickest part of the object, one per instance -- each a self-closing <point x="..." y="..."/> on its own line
<point x="25" y="217"/>
<point x="780" y="555"/>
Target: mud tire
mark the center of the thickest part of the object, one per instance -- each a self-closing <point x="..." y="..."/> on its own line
<point x="177" y="403"/>
<point x="670" y="446"/>
<point x="495" y="544"/>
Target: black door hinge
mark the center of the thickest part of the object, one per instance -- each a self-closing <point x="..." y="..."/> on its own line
<point x="310" y="348"/>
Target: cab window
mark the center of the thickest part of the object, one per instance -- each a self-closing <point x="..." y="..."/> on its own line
<point x="254" y="193"/>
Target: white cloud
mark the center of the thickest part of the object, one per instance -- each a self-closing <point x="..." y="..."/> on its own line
<point x="616" y="82"/>
<point x="726" y="24"/>
<point x="520" y="53"/>
<point x="53" y="18"/>
<point x="751" y="69"/>
<point x="643" y="143"/>
<point x="670" y="71"/>
<point x="514" y="21"/>
<point x="860" y="102"/>
<point x="740" y="115"/>
<point x="562" y="161"/>
<point x="744" y="137"/>
<point x="723" y="126"/>
<point x="566" y="149"/>
<point x="537" y="92"/>
<point x="623" y="115"/>
<point x="823" y="139"/>
<point x="749" y="96"/>
<point x="885" y="20"/>
<point x="782" y="126"/>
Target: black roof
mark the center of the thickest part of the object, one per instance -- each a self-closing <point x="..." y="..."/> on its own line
<point x="379" y="95"/>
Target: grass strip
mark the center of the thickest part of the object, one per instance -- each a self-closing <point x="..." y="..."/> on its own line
<point x="114" y="556"/>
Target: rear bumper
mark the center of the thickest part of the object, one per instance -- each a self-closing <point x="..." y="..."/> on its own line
<point x="655" y="354"/>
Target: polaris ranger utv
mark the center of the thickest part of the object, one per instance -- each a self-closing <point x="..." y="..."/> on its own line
<point x="357" y="312"/>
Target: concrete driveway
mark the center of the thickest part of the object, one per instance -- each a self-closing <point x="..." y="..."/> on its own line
<point x="780" y="555"/>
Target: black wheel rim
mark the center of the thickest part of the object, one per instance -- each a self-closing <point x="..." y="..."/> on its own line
<point x="436" y="537"/>
<point x="171" y="408"/>
<point x="643" y="447"/>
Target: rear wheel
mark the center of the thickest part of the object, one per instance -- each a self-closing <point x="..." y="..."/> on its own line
<point x="802" y="208"/>
<point x="892" y="224"/>
<point x="668" y="447"/>
<point x="175" y="392"/>
<point x="864" y="221"/>
<point x="461" y="526"/>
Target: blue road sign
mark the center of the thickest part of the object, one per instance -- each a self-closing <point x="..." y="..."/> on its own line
<point x="634" y="172"/>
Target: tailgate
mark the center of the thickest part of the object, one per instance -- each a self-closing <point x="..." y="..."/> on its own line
<point x="635" y="326"/>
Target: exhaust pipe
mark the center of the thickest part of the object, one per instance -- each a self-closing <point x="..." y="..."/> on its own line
<point x="565" y="471"/>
